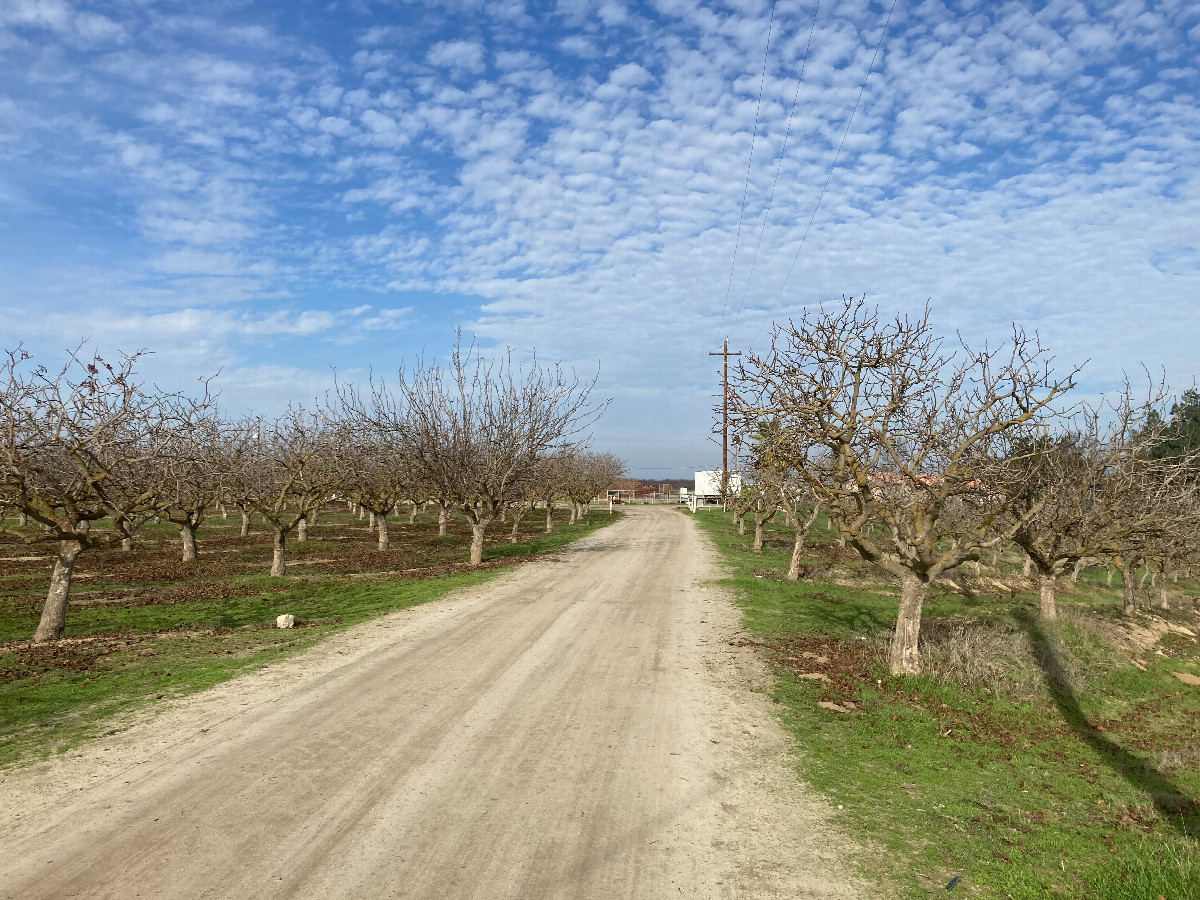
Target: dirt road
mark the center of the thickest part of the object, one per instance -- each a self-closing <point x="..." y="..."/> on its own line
<point x="578" y="728"/>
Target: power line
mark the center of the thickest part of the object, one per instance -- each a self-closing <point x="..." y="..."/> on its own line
<point x="862" y="88"/>
<point x="746" y="187"/>
<point x="778" y="168"/>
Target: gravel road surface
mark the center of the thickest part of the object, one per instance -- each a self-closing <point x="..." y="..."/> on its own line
<point x="579" y="728"/>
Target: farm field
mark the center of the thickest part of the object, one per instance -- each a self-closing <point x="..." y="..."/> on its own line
<point x="144" y="627"/>
<point x="584" y="726"/>
<point x="1027" y="761"/>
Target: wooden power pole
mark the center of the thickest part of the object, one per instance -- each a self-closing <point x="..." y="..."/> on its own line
<point x="725" y="418"/>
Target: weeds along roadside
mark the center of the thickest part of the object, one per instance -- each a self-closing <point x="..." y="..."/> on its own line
<point x="1032" y="764"/>
<point x="144" y="628"/>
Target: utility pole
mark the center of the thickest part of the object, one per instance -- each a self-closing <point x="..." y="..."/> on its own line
<point x="725" y="419"/>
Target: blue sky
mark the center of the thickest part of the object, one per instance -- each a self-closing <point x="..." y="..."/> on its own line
<point x="277" y="190"/>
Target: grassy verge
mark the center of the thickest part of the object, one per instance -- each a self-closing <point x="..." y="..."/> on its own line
<point x="143" y="629"/>
<point x="1030" y="762"/>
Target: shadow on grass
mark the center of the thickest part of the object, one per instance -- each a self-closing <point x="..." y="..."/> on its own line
<point x="1181" y="812"/>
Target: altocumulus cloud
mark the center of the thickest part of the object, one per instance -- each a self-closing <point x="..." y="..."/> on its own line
<point x="237" y="191"/>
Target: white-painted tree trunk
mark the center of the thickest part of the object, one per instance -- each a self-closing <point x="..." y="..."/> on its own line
<point x="54" y="613"/>
<point x="278" y="561"/>
<point x="905" y="656"/>
<point x="477" y="533"/>
<point x="1047" y="610"/>
<point x="187" y="535"/>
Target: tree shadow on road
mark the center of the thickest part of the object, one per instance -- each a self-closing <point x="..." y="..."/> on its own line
<point x="1179" y="811"/>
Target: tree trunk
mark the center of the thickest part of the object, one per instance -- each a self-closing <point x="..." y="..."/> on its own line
<point x="362" y="513"/>
<point x="443" y="518"/>
<point x="54" y="613"/>
<point x="224" y="511"/>
<point x="302" y="529"/>
<point x="477" y="532"/>
<point x="22" y="519"/>
<point x="123" y="526"/>
<point x="793" y="572"/>
<point x="905" y="657"/>
<point x="1145" y="575"/>
<point x="1162" y="596"/>
<point x="312" y="518"/>
<point x="574" y="510"/>
<point x="245" y="524"/>
<point x="741" y="520"/>
<point x="278" y="564"/>
<point x="412" y="514"/>
<point x="758" y="535"/>
<point x="371" y="523"/>
<point x="1047" y="611"/>
<point x="513" y="538"/>
<point x="187" y="534"/>
<point x="384" y="540"/>
<point x="1108" y="580"/>
<point x="1027" y="567"/>
<point x="801" y="537"/>
<point x="549" y="517"/>
<point x="1129" y="601"/>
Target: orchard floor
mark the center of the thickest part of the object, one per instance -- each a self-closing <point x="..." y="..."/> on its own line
<point x="587" y="725"/>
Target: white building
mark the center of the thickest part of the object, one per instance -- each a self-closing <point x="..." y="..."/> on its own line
<point x="708" y="487"/>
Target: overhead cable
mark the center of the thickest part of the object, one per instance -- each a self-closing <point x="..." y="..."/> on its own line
<point x="749" y="164"/>
<point x="778" y="167"/>
<point x="862" y="88"/>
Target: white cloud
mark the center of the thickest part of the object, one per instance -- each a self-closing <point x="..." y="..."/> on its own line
<point x="1000" y="162"/>
<point x="388" y="319"/>
<point x="459" y="56"/>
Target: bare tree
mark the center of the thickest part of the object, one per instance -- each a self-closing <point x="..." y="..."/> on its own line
<point x="587" y="474"/>
<point x="81" y="444"/>
<point x="549" y="482"/>
<point x="802" y="508"/>
<point x="378" y="478"/>
<point x="476" y="428"/>
<point x="197" y="472"/>
<point x="521" y="503"/>
<point x="1095" y="490"/>
<point x="901" y="442"/>
<point x="291" y="467"/>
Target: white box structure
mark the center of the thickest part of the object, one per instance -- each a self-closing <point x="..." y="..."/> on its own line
<point x="708" y="484"/>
